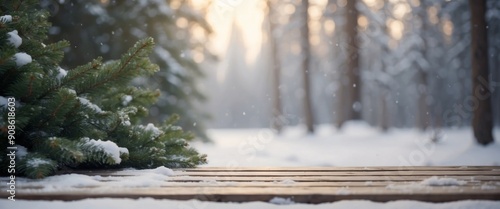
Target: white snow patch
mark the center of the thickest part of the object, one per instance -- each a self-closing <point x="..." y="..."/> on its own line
<point x="125" y="119"/>
<point x="89" y="104"/>
<point x="6" y="18"/>
<point x="21" y="152"/>
<point x="210" y="181"/>
<point x="14" y="39"/>
<point x="54" y="183"/>
<point x="126" y="203"/>
<point x="123" y="150"/>
<point x="488" y="187"/>
<point x="62" y="73"/>
<point x="343" y="191"/>
<point x="164" y="171"/>
<point x="109" y="147"/>
<point x="72" y="91"/>
<point x="175" y="128"/>
<point x="22" y="59"/>
<point x="129" y="178"/>
<point x="126" y="99"/>
<point x="406" y="187"/>
<point x="35" y="162"/>
<point x="67" y="182"/>
<point x="3" y="101"/>
<point x="155" y="130"/>
<point x="437" y="181"/>
<point x="288" y="181"/>
<point x="281" y="201"/>
<point x="144" y="179"/>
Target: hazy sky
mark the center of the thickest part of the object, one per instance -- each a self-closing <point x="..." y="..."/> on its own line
<point x="248" y="14"/>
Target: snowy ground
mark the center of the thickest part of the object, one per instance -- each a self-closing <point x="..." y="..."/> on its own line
<point x="194" y="204"/>
<point x="356" y="145"/>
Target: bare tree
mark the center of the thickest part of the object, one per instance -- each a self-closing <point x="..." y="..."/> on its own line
<point x="306" y="59"/>
<point x="482" y="120"/>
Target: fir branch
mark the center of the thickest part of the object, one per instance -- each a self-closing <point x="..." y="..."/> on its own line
<point x="61" y="102"/>
<point x="81" y="71"/>
<point x="144" y="44"/>
<point x="36" y="165"/>
<point x="53" y="114"/>
<point x="94" y="65"/>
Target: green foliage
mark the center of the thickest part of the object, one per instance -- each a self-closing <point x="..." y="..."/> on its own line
<point x="87" y="117"/>
<point x="112" y="26"/>
<point x="37" y="166"/>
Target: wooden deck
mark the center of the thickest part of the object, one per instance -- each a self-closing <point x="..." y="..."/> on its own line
<point x="300" y="184"/>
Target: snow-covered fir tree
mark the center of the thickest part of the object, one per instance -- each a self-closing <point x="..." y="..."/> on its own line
<point x="108" y="28"/>
<point x="85" y="117"/>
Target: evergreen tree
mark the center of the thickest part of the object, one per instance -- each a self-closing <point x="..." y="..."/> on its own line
<point x="87" y="117"/>
<point x="108" y="28"/>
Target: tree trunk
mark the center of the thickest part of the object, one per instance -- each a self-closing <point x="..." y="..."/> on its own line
<point x="384" y="113"/>
<point x="342" y="100"/>
<point x="384" y="87"/>
<point x="306" y="57"/>
<point x="482" y="120"/>
<point x="277" y="121"/>
<point x="353" y="72"/>
<point x="423" y="118"/>
<point x="423" y="109"/>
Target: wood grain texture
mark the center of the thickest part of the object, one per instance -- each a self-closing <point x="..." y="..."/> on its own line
<point x="300" y="184"/>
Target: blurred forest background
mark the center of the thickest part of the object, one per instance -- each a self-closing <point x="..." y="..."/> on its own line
<point x="263" y="63"/>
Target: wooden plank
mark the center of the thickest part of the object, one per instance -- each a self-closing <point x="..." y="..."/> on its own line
<point x="420" y="170"/>
<point x="317" y="184"/>
<point x="330" y="169"/>
<point x="301" y="184"/>
<point x="288" y="184"/>
<point x="354" y="173"/>
<point x="297" y="169"/>
<point x="327" y="178"/>
<point x="299" y="194"/>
